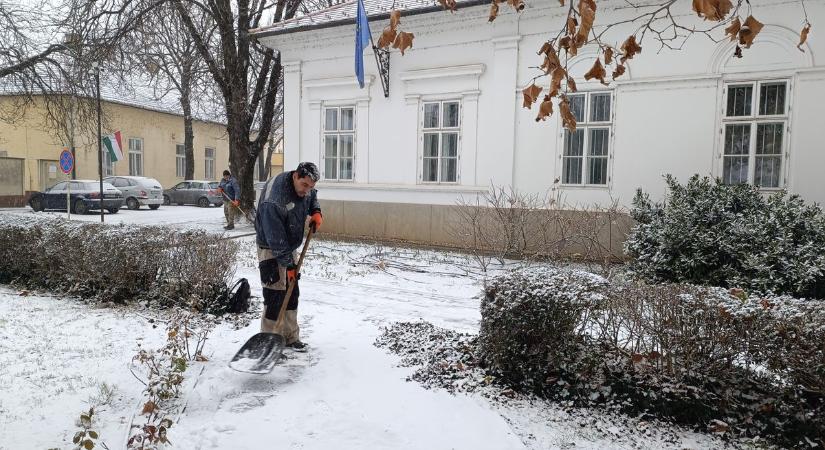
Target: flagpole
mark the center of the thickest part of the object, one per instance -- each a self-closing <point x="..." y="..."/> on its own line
<point x="99" y="139"/>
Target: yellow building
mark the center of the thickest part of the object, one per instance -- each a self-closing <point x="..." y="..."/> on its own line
<point x="152" y="146"/>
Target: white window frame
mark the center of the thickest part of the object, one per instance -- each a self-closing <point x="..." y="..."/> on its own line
<point x="586" y="126"/>
<point x="180" y="161"/>
<point x="135" y="156"/>
<point x="753" y="120"/>
<point x="336" y="134"/>
<point x="441" y="130"/>
<point x="108" y="165"/>
<point x="209" y="163"/>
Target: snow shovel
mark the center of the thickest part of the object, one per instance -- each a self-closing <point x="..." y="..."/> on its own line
<point x="263" y="351"/>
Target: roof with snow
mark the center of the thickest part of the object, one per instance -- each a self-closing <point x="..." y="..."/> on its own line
<point x="344" y="14"/>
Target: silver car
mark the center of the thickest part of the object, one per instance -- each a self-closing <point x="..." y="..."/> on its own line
<point x="193" y="192"/>
<point x="138" y="191"/>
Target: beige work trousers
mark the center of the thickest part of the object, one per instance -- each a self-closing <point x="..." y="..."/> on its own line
<point x="288" y="326"/>
<point x="229" y="212"/>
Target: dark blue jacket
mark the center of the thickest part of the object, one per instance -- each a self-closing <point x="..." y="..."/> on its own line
<point x="231" y="188"/>
<point x="281" y="217"/>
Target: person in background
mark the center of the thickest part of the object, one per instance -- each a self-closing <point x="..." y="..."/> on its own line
<point x="229" y="186"/>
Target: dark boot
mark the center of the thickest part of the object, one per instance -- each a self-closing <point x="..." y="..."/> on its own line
<point x="229" y="227"/>
<point x="298" y="346"/>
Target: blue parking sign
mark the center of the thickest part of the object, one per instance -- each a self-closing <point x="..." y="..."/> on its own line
<point x="66" y="161"/>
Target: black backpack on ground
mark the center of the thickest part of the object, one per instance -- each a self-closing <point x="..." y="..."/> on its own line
<point x="238" y="297"/>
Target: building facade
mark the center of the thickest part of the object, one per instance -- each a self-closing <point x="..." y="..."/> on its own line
<point x="152" y="146"/>
<point x="453" y="124"/>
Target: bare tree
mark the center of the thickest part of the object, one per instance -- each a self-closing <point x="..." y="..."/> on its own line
<point x="161" y="47"/>
<point x="276" y="136"/>
<point x="247" y="74"/>
<point x="34" y="70"/>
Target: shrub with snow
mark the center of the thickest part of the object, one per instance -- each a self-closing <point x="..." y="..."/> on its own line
<point x="532" y="324"/>
<point x="115" y="263"/>
<point x="713" y="234"/>
<point x="735" y="363"/>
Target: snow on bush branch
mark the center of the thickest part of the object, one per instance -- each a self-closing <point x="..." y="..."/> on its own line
<point x="706" y="232"/>
<point x="116" y="263"/>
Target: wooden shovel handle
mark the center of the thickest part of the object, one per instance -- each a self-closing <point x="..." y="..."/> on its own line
<point x="292" y="285"/>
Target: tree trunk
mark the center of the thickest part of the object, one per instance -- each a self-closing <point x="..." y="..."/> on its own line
<point x="262" y="165"/>
<point x="188" y="132"/>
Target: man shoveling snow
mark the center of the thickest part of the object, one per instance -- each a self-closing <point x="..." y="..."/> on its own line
<point x="287" y="202"/>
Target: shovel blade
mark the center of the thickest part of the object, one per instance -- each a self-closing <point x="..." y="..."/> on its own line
<point x="259" y="354"/>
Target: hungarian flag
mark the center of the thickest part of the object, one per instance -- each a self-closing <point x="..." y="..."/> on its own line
<point x="114" y="146"/>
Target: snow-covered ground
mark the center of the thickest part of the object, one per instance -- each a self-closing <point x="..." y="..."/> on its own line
<point x="59" y="355"/>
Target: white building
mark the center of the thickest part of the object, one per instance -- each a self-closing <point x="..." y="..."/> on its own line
<point x="759" y="119"/>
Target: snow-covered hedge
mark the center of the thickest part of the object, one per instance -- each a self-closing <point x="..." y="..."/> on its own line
<point x="741" y="364"/>
<point x="731" y="236"/>
<point x="115" y="263"/>
<point x="532" y="324"/>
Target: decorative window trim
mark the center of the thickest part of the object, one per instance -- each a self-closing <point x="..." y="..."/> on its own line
<point x="338" y="133"/>
<point x="586" y="157"/>
<point x="180" y="161"/>
<point x="441" y="131"/>
<point x="136" y="169"/>
<point x="209" y="163"/>
<point x="753" y="121"/>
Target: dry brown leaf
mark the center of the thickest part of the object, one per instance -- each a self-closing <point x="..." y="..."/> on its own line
<point x="749" y="30"/>
<point x="568" y="45"/>
<point x="395" y="18"/>
<point x="717" y="426"/>
<point x="561" y="2"/>
<point x="387" y="37"/>
<point x="590" y="3"/>
<point x="715" y="10"/>
<point x="630" y="48"/>
<point x="571" y="84"/>
<point x="518" y="5"/>
<point x="733" y="29"/>
<point x="493" y="11"/>
<point x="403" y="41"/>
<point x="572" y="23"/>
<point x="568" y="120"/>
<point x="608" y="56"/>
<point x="545" y="109"/>
<point x="551" y="59"/>
<point x="149" y="407"/>
<point x="546" y="47"/>
<point x="448" y="4"/>
<point x="619" y="71"/>
<point x="588" y="15"/>
<point x="555" y="81"/>
<point x="803" y="36"/>
<point x="531" y="94"/>
<point x="597" y="72"/>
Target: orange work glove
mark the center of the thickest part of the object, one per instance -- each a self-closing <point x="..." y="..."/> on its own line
<point x="291" y="274"/>
<point x="315" y="221"/>
<point x="236" y="203"/>
<point x="219" y="190"/>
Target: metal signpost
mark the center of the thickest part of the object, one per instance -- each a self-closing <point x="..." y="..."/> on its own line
<point x="67" y="165"/>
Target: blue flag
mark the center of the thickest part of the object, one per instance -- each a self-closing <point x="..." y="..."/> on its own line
<point x="362" y="41"/>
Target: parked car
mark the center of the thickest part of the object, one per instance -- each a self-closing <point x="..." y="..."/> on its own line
<point x="138" y="191"/>
<point x="84" y="196"/>
<point x="193" y="192"/>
